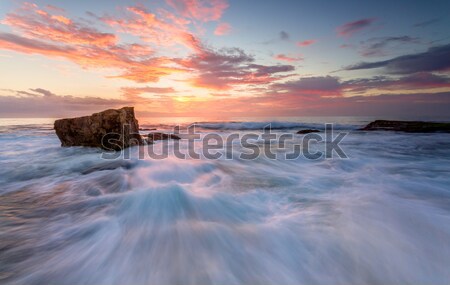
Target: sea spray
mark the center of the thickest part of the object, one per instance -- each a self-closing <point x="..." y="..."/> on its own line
<point x="380" y="217"/>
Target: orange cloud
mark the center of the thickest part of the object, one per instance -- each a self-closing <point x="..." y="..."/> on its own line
<point x="46" y="31"/>
<point x="151" y="28"/>
<point x="36" y="23"/>
<point x="59" y="36"/>
<point x="62" y="19"/>
<point x="222" y="29"/>
<point x="149" y="70"/>
<point x="134" y="93"/>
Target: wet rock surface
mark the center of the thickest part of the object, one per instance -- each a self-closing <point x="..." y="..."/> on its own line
<point x="113" y="129"/>
<point x="407" y="126"/>
<point x="307" y="131"/>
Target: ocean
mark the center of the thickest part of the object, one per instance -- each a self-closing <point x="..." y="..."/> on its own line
<point x="379" y="216"/>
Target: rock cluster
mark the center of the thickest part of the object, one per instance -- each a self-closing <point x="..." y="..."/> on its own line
<point x="407" y="126"/>
<point x="307" y="131"/>
<point x="111" y="129"/>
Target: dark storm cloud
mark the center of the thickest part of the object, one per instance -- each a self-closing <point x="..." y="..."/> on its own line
<point x="321" y="86"/>
<point x="333" y="86"/>
<point x="377" y="46"/>
<point x="423" y="80"/>
<point x="434" y="59"/>
<point x="319" y="83"/>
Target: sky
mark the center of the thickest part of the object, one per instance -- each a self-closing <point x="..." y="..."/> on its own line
<point x="225" y="58"/>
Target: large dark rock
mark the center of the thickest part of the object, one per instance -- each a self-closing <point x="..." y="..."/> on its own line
<point x="161" y="136"/>
<point x="307" y="131"/>
<point x="111" y="129"/>
<point x="407" y="126"/>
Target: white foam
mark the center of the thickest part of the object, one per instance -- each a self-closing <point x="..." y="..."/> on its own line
<point x="380" y="217"/>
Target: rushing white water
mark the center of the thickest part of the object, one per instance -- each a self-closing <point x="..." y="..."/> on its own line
<point x="380" y="217"/>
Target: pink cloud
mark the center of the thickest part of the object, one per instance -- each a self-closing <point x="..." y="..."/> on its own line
<point x="37" y="23"/>
<point x="52" y="34"/>
<point x="55" y="35"/>
<point x="222" y="29"/>
<point x="164" y="30"/>
<point x="225" y="68"/>
<point x="306" y="43"/>
<point x="200" y="10"/>
<point x="283" y="57"/>
<point x="348" y="29"/>
<point x="58" y="36"/>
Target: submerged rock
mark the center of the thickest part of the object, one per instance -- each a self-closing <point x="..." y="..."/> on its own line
<point x="111" y="129"/>
<point x="161" y="136"/>
<point x="407" y="126"/>
<point x="307" y="131"/>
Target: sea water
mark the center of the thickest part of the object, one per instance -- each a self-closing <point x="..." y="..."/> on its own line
<point x="381" y="216"/>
